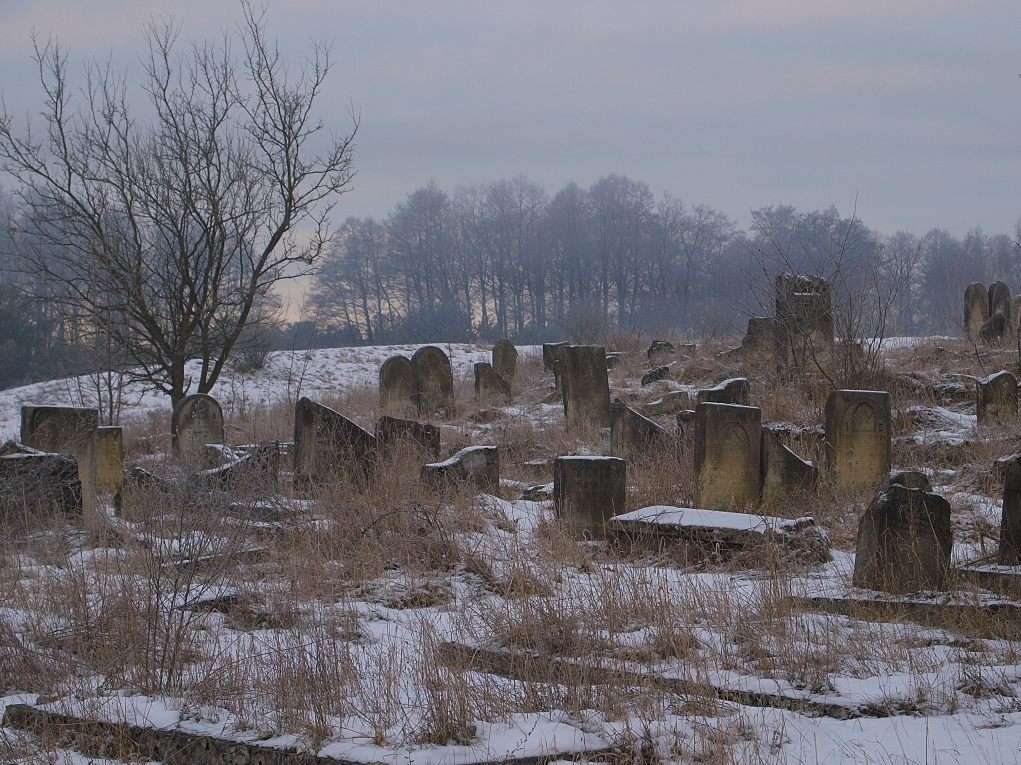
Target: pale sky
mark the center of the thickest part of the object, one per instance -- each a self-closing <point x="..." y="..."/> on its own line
<point x="910" y="106"/>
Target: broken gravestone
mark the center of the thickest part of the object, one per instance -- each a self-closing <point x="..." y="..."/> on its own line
<point x="557" y="356"/>
<point x="857" y="440"/>
<point x="490" y="388"/>
<point x="435" y="380"/>
<point x="758" y="346"/>
<point x="37" y="485"/>
<point x="588" y="491"/>
<point x="669" y="403"/>
<point x="904" y="538"/>
<point x="727" y="455"/>
<point x="391" y="432"/>
<point x="732" y="391"/>
<point x="782" y="470"/>
<point x="326" y="443"/>
<point x="976" y="310"/>
<point x="632" y="434"/>
<point x="996" y="397"/>
<point x="505" y="360"/>
<point x="398" y="385"/>
<point x="586" y="387"/>
<point x="66" y="430"/>
<point x="109" y="458"/>
<point x="549" y="354"/>
<point x="655" y="375"/>
<point x="660" y="352"/>
<point x="476" y="465"/>
<point x="197" y="420"/>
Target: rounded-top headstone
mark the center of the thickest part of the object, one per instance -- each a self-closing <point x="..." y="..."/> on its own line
<point x="398" y="383"/>
<point x="505" y="359"/>
<point x="197" y="420"/>
<point x="435" y="380"/>
<point x="999" y="299"/>
<point x="976" y="309"/>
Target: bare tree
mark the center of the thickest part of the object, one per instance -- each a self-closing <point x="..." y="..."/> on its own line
<point x="169" y="232"/>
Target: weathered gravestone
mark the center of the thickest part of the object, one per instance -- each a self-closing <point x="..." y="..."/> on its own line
<point x="66" y="430"/>
<point x="555" y="354"/>
<point x="782" y="470"/>
<point x="758" y="346"/>
<point x="669" y="403"/>
<point x="253" y="471"/>
<point x="857" y="441"/>
<point x="197" y="420"/>
<point x="1010" y="515"/>
<point x="505" y="359"/>
<point x="996" y="397"/>
<point x="549" y="354"/>
<point x="732" y="391"/>
<point x="435" y="380"/>
<point x="588" y="491"/>
<point x="976" y="309"/>
<point x="993" y="331"/>
<point x="660" y="352"/>
<point x="475" y="465"/>
<point x="655" y="375"/>
<point x="631" y="433"/>
<point x="37" y="485"/>
<point x="585" y="386"/>
<point x="727" y="455"/>
<point x="904" y="538"/>
<point x="391" y="432"/>
<point x="490" y="388"/>
<point x="326" y="443"/>
<point x="398" y="384"/>
<point x="999" y="299"/>
<point x="804" y="323"/>
<point x="109" y="458"/>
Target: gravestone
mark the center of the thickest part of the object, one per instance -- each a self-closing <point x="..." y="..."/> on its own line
<point x="556" y="353"/>
<point x="631" y="433"/>
<point x="588" y="491"/>
<point x="669" y="403"/>
<point x="505" y="360"/>
<point x="252" y="472"/>
<point x="476" y="465"/>
<point x="904" y="539"/>
<point x="490" y="388"/>
<point x="804" y="323"/>
<point x="586" y="387"/>
<point x="613" y="359"/>
<point x="857" y="441"/>
<point x="66" y="430"/>
<point x="732" y="391"/>
<point x="782" y="470"/>
<point x="727" y="455"/>
<point x="392" y="431"/>
<point x="999" y="300"/>
<point x="996" y="397"/>
<point x="976" y="309"/>
<point x="655" y="375"/>
<point x="435" y="380"/>
<point x="549" y="354"/>
<point x="660" y="352"/>
<point x="1010" y="514"/>
<point x="197" y="420"/>
<point x="326" y="443"/>
<point x="109" y="458"/>
<point x="398" y="384"/>
<point x="993" y="331"/>
<point x="758" y="346"/>
<point x="37" y="485"/>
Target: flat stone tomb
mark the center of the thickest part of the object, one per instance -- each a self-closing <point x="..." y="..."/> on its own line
<point x="996" y="397"/>
<point x="197" y="420"/>
<point x="588" y="491"/>
<point x="586" y="386"/>
<point x="976" y="309"/>
<point x="398" y="384"/>
<point x="857" y="441"/>
<point x="711" y="526"/>
<point x="505" y="359"/>
<point x="435" y="380"/>
<point x="109" y="458"/>
<point x="490" y="388"/>
<point x="478" y="465"/>
<point x="327" y="443"/>
<point x="727" y="455"/>
<point x="66" y="430"/>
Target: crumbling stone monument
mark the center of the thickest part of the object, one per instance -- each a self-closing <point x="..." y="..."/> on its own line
<point x="66" y="430"/>
<point x="732" y="391"/>
<point x="588" y="491"/>
<point x="782" y="470"/>
<point x="996" y="397"/>
<point x="477" y="465"/>
<point x="727" y="455"/>
<point x="758" y="346"/>
<point x="398" y="384"/>
<point x="804" y="323"/>
<point x="393" y="431"/>
<point x="109" y="458"/>
<point x="904" y="538"/>
<point x="435" y="380"/>
<point x="1010" y="515"/>
<point x="326" y="443"/>
<point x="505" y="360"/>
<point x="631" y="433"/>
<point x="197" y="420"/>
<point x="37" y="485"/>
<point x="976" y="309"/>
<point x="857" y="443"/>
<point x="490" y="388"/>
<point x="586" y="386"/>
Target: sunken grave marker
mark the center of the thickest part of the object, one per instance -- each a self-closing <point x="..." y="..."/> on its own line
<point x="996" y="397"/>
<point x="490" y="387"/>
<point x="197" y="420"/>
<point x="477" y="465"/>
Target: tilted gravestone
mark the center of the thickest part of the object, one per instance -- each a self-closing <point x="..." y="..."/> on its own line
<point x="999" y="299"/>
<point x="1010" y="515"/>
<point x="660" y="352"/>
<point x="727" y="455"/>
<point x="904" y="538"/>
<point x="505" y="359"/>
<point x="435" y="380"/>
<point x="391" y="432"/>
<point x="857" y="441"/>
<point x="197" y="420"/>
<point x="782" y="470"/>
<point x="732" y="391"/>
<point x="109" y="458"/>
<point x="669" y="403"/>
<point x="398" y="384"/>
<point x="804" y="323"/>
<point x="66" y="430"/>
<point x="475" y="465"/>
<point x="588" y="491"/>
<point x="996" y="397"/>
<point x="976" y="309"/>
<point x="326" y="443"/>
<point x="655" y="375"/>
<point x="632" y="434"/>
<point x="490" y="388"/>
<point x="586" y="387"/>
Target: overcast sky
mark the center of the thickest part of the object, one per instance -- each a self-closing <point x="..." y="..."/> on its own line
<point x="912" y="107"/>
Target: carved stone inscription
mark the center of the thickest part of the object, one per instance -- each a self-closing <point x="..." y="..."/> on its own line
<point x="727" y="455"/>
<point x="588" y="491"/>
<point x="197" y="420"/>
<point x="858" y="438"/>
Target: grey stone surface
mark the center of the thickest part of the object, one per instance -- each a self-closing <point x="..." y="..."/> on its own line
<point x="655" y="375"/>
<point x="660" y="352"/>
<point x="782" y="470"/>
<point x="109" y="458"/>
<point x="758" y="346"/>
<point x="993" y="330"/>
<point x="197" y="420"/>
<point x="668" y="403"/>
<point x="976" y="309"/>
<point x="999" y="299"/>
<point x="490" y="388"/>
<point x="391" y="432"/>
<point x="996" y="397"/>
<point x="328" y="444"/>
<point x="804" y="323"/>
<point x="857" y="441"/>
<point x="588" y="491"/>
<point x="549" y="354"/>
<point x="505" y="360"/>
<point x="733" y="391"/>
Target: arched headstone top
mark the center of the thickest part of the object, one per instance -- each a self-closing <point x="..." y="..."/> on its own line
<point x="197" y="420"/>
